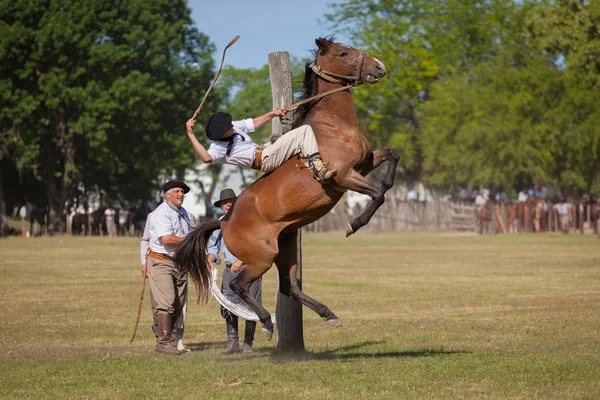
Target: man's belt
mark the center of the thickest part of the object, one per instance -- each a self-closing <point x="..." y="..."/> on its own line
<point x="257" y="162"/>
<point x="159" y="256"/>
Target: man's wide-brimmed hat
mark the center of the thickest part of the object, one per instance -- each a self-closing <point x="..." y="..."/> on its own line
<point x="173" y="184"/>
<point x="217" y="125"/>
<point x="226" y="194"/>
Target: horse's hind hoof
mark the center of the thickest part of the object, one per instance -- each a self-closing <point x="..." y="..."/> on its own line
<point x="334" y="322"/>
<point x="349" y="230"/>
<point x="268" y="334"/>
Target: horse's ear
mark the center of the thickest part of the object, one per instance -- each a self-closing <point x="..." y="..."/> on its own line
<point x="323" y="44"/>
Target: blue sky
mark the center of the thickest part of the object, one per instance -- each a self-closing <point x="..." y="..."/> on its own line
<point x="264" y="26"/>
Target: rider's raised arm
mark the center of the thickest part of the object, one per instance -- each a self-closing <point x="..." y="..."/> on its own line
<point x="204" y="155"/>
<point x="263" y="119"/>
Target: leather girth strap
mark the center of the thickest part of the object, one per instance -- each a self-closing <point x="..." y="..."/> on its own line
<point x="257" y="162"/>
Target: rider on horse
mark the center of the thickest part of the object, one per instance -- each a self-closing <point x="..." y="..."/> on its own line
<point x="231" y="144"/>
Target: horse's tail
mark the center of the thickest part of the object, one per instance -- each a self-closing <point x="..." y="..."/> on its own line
<point x="190" y="256"/>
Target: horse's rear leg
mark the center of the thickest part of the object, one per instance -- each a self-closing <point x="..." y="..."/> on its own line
<point x="356" y="182"/>
<point x="257" y="257"/>
<point x="241" y="285"/>
<point x="287" y="266"/>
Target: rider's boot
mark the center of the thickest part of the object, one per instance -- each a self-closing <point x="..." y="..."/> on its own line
<point x="320" y="170"/>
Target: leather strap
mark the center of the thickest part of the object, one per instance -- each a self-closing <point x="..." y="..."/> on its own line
<point x="257" y="162"/>
<point x="159" y="256"/>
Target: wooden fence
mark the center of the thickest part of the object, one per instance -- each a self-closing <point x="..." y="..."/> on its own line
<point x="404" y="216"/>
<point x="440" y="216"/>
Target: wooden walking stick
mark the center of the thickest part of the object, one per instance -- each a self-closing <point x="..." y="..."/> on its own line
<point x="139" y="312"/>
<point x="216" y="76"/>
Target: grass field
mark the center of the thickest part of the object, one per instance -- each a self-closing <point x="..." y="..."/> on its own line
<point x="424" y="317"/>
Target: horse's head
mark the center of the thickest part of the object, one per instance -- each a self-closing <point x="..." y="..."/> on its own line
<point x="347" y="64"/>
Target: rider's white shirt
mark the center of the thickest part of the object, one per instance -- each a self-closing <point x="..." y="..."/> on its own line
<point x="242" y="152"/>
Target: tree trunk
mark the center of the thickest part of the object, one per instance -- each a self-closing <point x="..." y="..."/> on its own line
<point x="3" y="218"/>
<point x="57" y="196"/>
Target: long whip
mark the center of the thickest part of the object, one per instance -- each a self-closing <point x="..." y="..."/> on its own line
<point x="216" y="76"/>
<point x="139" y="312"/>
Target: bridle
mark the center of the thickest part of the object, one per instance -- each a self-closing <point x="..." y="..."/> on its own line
<point x="334" y="78"/>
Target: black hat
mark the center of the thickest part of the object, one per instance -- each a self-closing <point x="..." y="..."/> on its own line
<point x="217" y="125"/>
<point x="226" y="194"/>
<point x="173" y="184"/>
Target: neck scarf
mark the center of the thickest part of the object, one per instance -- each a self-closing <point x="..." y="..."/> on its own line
<point x="231" y="140"/>
<point x="182" y="215"/>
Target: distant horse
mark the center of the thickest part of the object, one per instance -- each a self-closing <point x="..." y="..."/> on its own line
<point x="137" y="217"/>
<point x="80" y="224"/>
<point x="97" y="222"/>
<point x="588" y="205"/>
<point x="39" y="215"/>
<point x="484" y="216"/>
<point x="262" y="226"/>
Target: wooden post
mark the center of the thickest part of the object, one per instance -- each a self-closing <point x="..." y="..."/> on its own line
<point x="288" y="312"/>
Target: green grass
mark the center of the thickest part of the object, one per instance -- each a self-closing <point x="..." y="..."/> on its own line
<point x="435" y="316"/>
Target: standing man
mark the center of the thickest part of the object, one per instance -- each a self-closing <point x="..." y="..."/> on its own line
<point x="563" y="211"/>
<point x="111" y="227"/>
<point x="169" y="225"/>
<point x="178" y="326"/>
<point x="232" y="269"/>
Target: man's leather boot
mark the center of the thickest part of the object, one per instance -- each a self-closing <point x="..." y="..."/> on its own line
<point x="165" y="343"/>
<point x="233" y="340"/>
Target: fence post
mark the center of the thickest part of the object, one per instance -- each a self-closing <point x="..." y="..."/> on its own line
<point x="288" y="312"/>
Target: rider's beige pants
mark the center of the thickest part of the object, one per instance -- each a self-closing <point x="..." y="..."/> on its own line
<point x="297" y="140"/>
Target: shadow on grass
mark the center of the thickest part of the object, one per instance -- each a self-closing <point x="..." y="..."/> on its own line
<point x="200" y="346"/>
<point x="340" y="353"/>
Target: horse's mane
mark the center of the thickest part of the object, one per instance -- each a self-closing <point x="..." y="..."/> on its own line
<point x="308" y="85"/>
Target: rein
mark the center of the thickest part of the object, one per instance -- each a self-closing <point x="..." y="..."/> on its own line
<point x="332" y="77"/>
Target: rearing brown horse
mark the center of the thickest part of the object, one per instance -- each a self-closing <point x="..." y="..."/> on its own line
<point x="262" y="226"/>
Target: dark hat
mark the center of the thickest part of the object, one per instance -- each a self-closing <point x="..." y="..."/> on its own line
<point x="217" y="125"/>
<point x="226" y="194"/>
<point x="173" y="184"/>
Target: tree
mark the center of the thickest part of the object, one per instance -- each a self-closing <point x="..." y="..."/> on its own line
<point x="96" y="93"/>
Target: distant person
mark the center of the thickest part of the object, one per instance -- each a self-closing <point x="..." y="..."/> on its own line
<point x="411" y="196"/>
<point x="233" y="266"/>
<point x="563" y="208"/>
<point x="464" y="195"/>
<point x="111" y="227"/>
<point x="70" y="218"/>
<point x="480" y="201"/>
<point x="123" y="218"/>
<point x="231" y="144"/>
<point x="501" y="198"/>
<point x="523" y="196"/>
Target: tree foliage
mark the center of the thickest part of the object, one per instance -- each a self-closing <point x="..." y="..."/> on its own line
<point x="492" y="92"/>
<point x="95" y="94"/>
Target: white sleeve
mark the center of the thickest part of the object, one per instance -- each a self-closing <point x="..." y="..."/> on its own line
<point x="244" y="125"/>
<point x="217" y="151"/>
<point x="145" y="242"/>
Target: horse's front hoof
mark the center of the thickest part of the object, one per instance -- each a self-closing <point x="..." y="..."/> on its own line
<point x="349" y="230"/>
<point x="334" y="322"/>
<point x="268" y="334"/>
